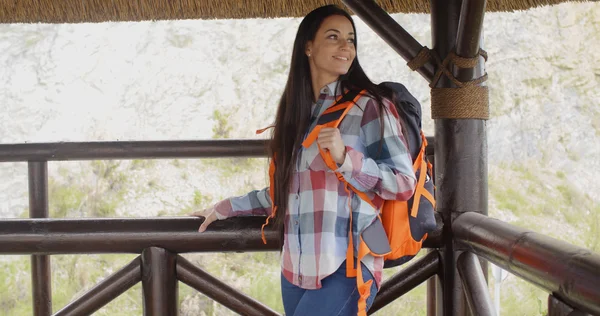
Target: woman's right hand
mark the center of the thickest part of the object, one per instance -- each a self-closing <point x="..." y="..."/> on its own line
<point x="209" y="214"/>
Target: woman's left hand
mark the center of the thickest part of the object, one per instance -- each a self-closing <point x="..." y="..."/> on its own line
<point x="331" y="139"/>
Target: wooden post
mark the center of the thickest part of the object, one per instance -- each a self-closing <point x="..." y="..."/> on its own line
<point x="159" y="283"/>
<point x="460" y="143"/>
<point x="444" y="25"/>
<point x="40" y="264"/>
<point x="470" y="31"/>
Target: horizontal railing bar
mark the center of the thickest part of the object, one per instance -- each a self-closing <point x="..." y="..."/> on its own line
<point x="133" y="150"/>
<point x="121" y="225"/>
<point x="178" y="235"/>
<point x="475" y="285"/>
<point x="406" y="280"/>
<point x="224" y="294"/>
<point x="105" y="291"/>
<point x="118" y="150"/>
<point x="132" y="235"/>
<point x="567" y="271"/>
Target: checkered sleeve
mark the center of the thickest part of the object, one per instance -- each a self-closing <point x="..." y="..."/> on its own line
<point x="255" y="203"/>
<point x="384" y="165"/>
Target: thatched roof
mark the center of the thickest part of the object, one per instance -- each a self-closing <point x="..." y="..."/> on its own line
<point x="74" y="11"/>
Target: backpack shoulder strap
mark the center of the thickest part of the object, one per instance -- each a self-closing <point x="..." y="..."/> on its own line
<point x="333" y="116"/>
<point x="338" y="111"/>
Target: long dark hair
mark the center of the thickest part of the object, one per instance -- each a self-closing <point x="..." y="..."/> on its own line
<point x="294" y="111"/>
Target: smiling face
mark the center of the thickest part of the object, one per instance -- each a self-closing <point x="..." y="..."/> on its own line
<point x="332" y="51"/>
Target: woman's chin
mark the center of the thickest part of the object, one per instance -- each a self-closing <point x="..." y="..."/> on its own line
<point x="342" y="72"/>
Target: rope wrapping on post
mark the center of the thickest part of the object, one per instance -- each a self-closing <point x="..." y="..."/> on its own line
<point x="469" y="100"/>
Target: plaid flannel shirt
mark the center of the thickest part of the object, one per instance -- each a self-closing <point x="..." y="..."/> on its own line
<point x="317" y="217"/>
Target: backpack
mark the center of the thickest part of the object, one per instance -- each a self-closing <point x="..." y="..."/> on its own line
<point x="406" y="240"/>
<point x="403" y="225"/>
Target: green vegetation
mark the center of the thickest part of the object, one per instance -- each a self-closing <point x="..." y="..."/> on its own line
<point x="234" y="167"/>
<point x="138" y="164"/>
<point x="519" y="297"/>
<point x="222" y="128"/>
<point x="548" y="203"/>
<point x="71" y="276"/>
<point x="15" y="286"/>
<point x="79" y="273"/>
<point x="591" y="238"/>
<point x="230" y="167"/>
<point x="526" y="195"/>
<point x="93" y="192"/>
<point x="510" y="199"/>
<point x="199" y="201"/>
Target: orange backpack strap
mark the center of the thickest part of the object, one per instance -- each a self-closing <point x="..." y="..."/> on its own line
<point x="262" y="130"/>
<point x="333" y="116"/>
<point x="271" y="188"/>
<point x="364" y="288"/>
<point x="272" y="196"/>
<point x="421" y="166"/>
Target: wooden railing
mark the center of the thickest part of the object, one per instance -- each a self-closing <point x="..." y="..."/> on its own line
<point x="569" y="273"/>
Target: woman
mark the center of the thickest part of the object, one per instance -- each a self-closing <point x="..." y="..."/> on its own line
<point x="313" y="213"/>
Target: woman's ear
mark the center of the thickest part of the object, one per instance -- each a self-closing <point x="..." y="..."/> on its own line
<point x="308" y="49"/>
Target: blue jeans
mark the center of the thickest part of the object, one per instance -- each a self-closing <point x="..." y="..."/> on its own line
<point x="338" y="296"/>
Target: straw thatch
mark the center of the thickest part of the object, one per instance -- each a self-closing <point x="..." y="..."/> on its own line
<point x="75" y="11"/>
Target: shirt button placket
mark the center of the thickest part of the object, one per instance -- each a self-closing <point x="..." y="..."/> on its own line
<point x="297" y="197"/>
